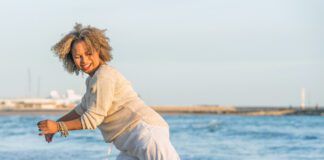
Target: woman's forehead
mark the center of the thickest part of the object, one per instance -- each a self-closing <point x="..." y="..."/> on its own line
<point x="80" y="46"/>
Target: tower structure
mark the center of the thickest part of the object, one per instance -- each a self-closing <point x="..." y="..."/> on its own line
<point x="302" y="97"/>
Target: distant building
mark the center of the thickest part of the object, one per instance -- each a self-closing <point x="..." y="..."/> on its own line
<point x="54" y="101"/>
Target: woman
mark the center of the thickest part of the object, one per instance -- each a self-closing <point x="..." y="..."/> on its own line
<point x="110" y="103"/>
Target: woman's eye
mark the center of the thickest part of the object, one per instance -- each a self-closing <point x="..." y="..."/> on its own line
<point x="89" y="53"/>
<point x="76" y="57"/>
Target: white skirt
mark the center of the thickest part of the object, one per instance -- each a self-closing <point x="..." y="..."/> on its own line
<point x="146" y="142"/>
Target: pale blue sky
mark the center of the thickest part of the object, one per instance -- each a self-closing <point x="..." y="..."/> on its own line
<point x="181" y="52"/>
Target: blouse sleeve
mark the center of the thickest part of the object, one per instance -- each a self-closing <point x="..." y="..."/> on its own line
<point x="78" y="109"/>
<point x="101" y="98"/>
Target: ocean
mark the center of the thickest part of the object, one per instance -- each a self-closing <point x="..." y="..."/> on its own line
<point x="195" y="137"/>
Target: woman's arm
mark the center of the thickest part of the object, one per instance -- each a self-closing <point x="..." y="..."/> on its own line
<point x="49" y="127"/>
<point x="69" y="116"/>
<point x="73" y="124"/>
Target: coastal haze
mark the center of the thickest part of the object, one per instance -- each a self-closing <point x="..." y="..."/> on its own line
<point x="249" y="53"/>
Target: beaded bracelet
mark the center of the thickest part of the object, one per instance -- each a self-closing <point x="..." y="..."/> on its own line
<point x="63" y="129"/>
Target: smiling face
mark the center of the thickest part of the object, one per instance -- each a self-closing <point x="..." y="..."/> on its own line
<point x="86" y="60"/>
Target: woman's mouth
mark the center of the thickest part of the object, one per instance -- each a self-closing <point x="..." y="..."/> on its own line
<point x="86" y="67"/>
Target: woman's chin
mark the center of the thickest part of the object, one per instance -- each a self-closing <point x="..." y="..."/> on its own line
<point x="89" y="71"/>
<point x="85" y="71"/>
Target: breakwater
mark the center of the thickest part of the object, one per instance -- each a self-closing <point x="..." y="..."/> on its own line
<point x="241" y="110"/>
<point x="226" y="110"/>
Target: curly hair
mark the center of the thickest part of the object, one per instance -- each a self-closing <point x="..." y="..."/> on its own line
<point x="94" y="39"/>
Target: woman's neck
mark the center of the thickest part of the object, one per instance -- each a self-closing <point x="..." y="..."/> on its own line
<point x="92" y="73"/>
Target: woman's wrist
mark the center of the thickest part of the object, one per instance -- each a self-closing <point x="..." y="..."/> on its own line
<point x="57" y="127"/>
<point x="62" y="128"/>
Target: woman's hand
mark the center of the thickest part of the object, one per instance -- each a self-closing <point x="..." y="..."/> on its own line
<point x="47" y="128"/>
<point x="49" y="137"/>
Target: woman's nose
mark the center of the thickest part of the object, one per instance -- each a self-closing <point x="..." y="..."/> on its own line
<point x="84" y="59"/>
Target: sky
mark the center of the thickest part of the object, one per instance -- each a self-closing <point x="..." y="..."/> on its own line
<point x="182" y="52"/>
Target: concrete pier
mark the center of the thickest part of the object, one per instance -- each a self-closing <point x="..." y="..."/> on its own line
<point x="218" y="110"/>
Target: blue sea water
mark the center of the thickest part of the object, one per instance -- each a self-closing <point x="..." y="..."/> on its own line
<point x="196" y="137"/>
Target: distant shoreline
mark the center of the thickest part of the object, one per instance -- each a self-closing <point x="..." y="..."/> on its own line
<point x="218" y="110"/>
<point x="32" y="112"/>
